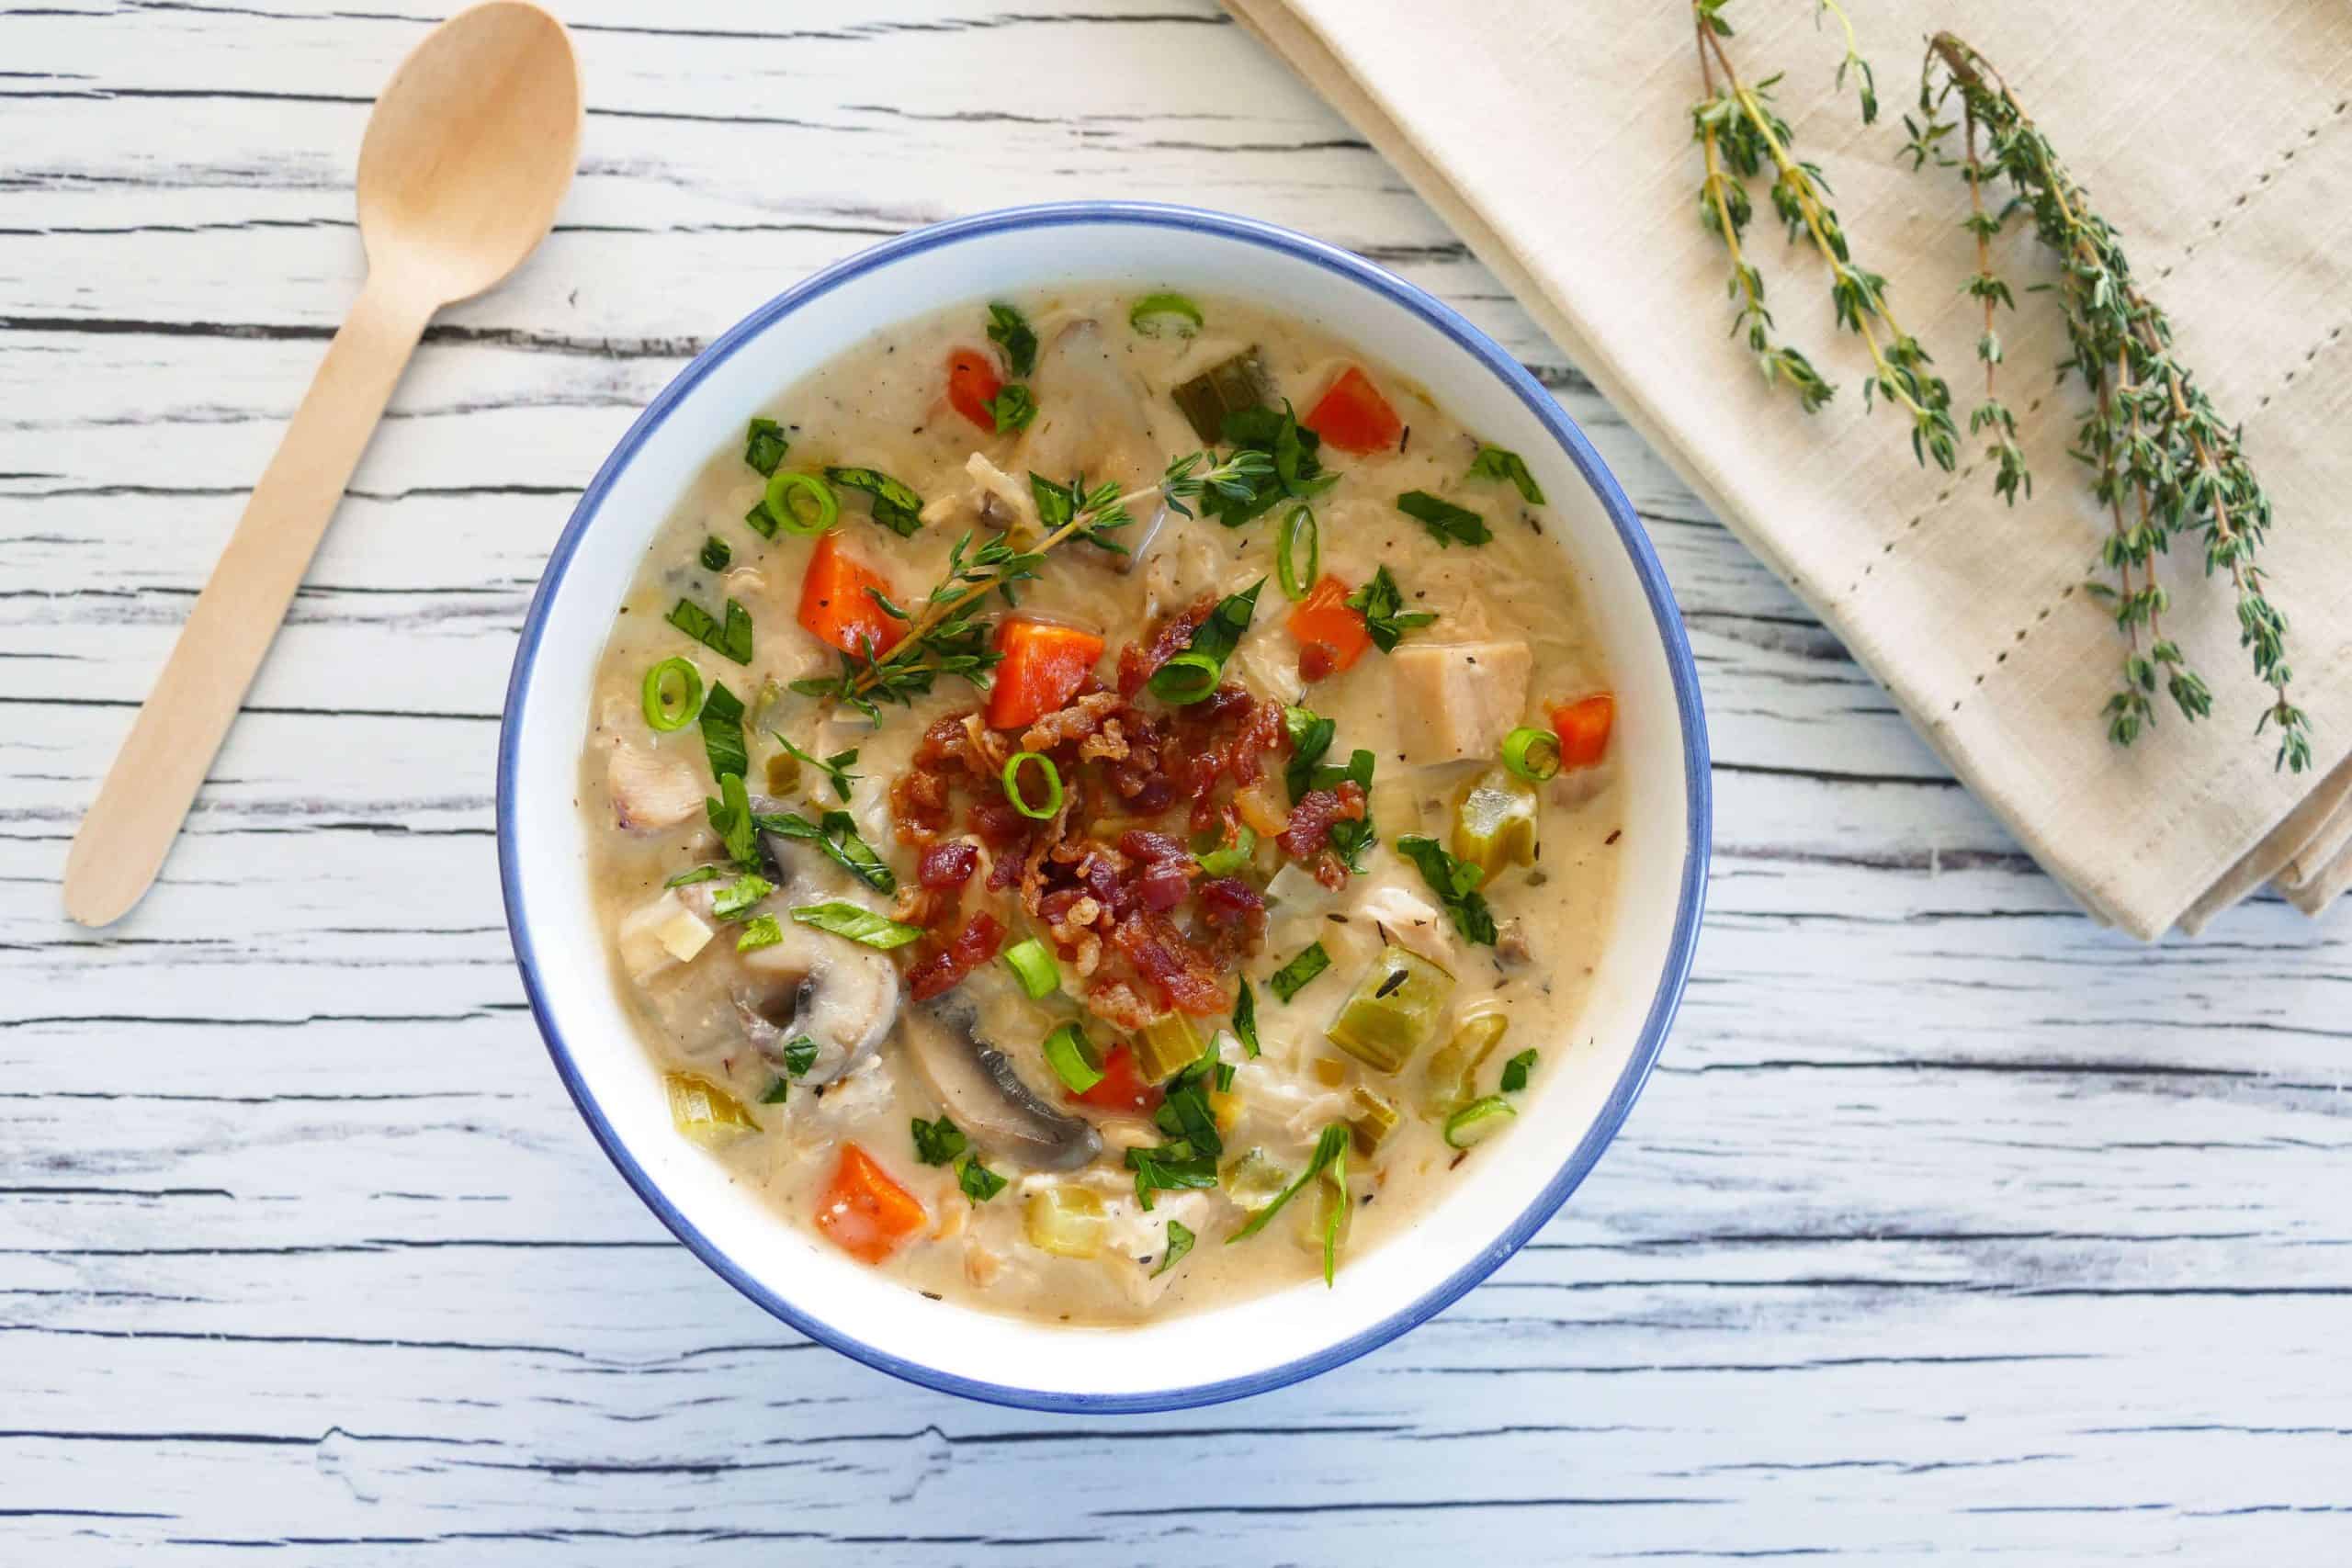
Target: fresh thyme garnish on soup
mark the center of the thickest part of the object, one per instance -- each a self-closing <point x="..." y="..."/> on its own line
<point x="1207" y="872"/>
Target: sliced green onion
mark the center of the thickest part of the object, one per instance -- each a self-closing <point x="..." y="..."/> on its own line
<point x="1154" y="313"/>
<point x="1224" y="861"/>
<point x="1187" y="678"/>
<point x="1533" y="754"/>
<point x="1040" y="975"/>
<point x="672" y="694"/>
<point x="1073" y="1058"/>
<point x="1477" y="1122"/>
<point x="1012" y="765"/>
<point x="801" y="504"/>
<point x="1296" y="582"/>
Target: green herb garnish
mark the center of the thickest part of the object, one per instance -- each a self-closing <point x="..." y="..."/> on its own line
<point x="836" y="834"/>
<point x="761" y="931"/>
<point x="1381" y="606"/>
<point x="1227" y="859"/>
<point x="937" y="1142"/>
<point x="714" y="554"/>
<point x="722" y="722"/>
<point x="1195" y="673"/>
<point x="731" y="819"/>
<point x="1010" y="331"/>
<point x="979" y="1182"/>
<point x="1292" y="977"/>
<point x="895" y="507"/>
<point x="1327" y="1148"/>
<point x="1310" y="737"/>
<point x="835" y="767"/>
<point x="1180" y="1242"/>
<point x="1446" y="522"/>
<point x="687" y="878"/>
<point x="1245" y="1017"/>
<point x="1455" y="883"/>
<point x="1494" y="463"/>
<point x="799" y="1056"/>
<point x="1515" y="1071"/>
<point x="1292" y="471"/>
<point x="736" y="898"/>
<point x="731" y="640"/>
<point x="764" y="446"/>
<point x="858" y="923"/>
<point x="1013" y="407"/>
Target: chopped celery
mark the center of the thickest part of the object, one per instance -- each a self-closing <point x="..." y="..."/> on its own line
<point x="1394" y="1010"/>
<point x="1495" y="823"/>
<point x="1371" y="1119"/>
<point x="1330" y="1071"/>
<point x="1452" y="1079"/>
<point x="1230" y="386"/>
<point x="784" y="774"/>
<point x="1254" y="1181"/>
<point x="1165" y="1045"/>
<point x="705" y="1113"/>
<point x="1067" y="1222"/>
<point x="1477" y="1122"/>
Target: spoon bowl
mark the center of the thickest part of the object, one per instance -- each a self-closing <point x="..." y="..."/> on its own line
<point x="470" y="147"/>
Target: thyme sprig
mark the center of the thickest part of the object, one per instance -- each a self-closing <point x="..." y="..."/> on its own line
<point x="2165" y="464"/>
<point x="1738" y="129"/>
<point x="946" y="636"/>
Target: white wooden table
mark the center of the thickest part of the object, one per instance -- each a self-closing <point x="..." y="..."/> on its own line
<point x="1949" y="1224"/>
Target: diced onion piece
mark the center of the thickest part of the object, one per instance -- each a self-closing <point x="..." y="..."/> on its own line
<point x="702" y="1110"/>
<point x="683" y="935"/>
<point x="1040" y="975"/>
<point x="1477" y="1122"/>
<point x="1067" y="1222"/>
<point x="1531" y="753"/>
<point x="1072" y="1056"/>
<point x="1011" y="779"/>
<point x="672" y="694"/>
<point x="1394" y="1010"/>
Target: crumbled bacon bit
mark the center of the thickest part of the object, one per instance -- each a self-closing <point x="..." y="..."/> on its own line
<point x="1146" y="845"/>
<point x="1311" y="818"/>
<point x="997" y="822"/>
<point x="1186" y="979"/>
<point x="947" y="864"/>
<point x="1120" y="1003"/>
<point x="942" y="967"/>
<point x="1080" y="721"/>
<point x="1317" y="659"/>
<point x="1138" y="663"/>
<point x="1229" y="901"/>
<point x="1163" y="885"/>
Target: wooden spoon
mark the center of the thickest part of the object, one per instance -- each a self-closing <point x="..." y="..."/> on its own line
<point x="470" y="148"/>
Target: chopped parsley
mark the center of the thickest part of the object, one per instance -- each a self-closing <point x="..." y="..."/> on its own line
<point x="1195" y="672"/>
<point x="721" y="721"/>
<point x="1010" y="331"/>
<point x="764" y="446"/>
<point x="761" y="932"/>
<point x="688" y="878"/>
<point x="735" y="900"/>
<point x="714" y="554"/>
<point x="1381" y="603"/>
<point x="731" y="639"/>
<point x="799" y="1056"/>
<point x="1350" y="838"/>
<point x="731" y="819"/>
<point x="937" y="1142"/>
<point x="836" y="834"/>
<point x="835" y="767"/>
<point x="895" y="507"/>
<point x="1310" y="737"/>
<point x="1455" y="883"/>
<point x="1515" y="1071"/>
<point x="1298" y="473"/>
<point x="1293" y="976"/>
<point x="1180" y="1242"/>
<point x="1013" y="407"/>
<point x="1494" y="463"/>
<point x="979" y="1182"/>
<point x="855" y="922"/>
<point x="1188" y="1160"/>
<point x="1446" y="522"/>
<point x="1245" y="1017"/>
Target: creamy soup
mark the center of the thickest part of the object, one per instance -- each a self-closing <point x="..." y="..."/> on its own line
<point x="1169" y="935"/>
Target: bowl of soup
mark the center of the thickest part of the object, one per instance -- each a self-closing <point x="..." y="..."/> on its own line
<point x="1103" y="806"/>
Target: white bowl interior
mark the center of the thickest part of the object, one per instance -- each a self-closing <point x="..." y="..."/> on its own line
<point x="1470" y="1226"/>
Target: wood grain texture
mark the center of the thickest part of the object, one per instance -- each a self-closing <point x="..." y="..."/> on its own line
<point x="1951" y="1226"/>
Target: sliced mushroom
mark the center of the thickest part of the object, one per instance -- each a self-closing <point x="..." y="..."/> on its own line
<point x="838" y="993"/>
<point x="1093" y="422"/>
<point x="986" y="1097"/>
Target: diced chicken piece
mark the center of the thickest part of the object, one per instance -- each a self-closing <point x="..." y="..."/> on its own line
<point x="1004" y="503"/>
<point x="1459" y="699"/>
<point x="650" y="791"/>
<point x="662" y="934"/>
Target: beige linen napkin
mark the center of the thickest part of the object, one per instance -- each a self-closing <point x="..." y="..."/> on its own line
<point x="1556" y="139"/>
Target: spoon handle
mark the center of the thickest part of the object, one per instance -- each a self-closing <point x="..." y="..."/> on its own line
<point x="129" y="827"/>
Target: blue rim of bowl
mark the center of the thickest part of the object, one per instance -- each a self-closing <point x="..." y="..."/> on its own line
<point x="1564" y="430"/>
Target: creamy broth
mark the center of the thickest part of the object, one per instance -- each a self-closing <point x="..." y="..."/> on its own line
<point x="1509" y="644"/>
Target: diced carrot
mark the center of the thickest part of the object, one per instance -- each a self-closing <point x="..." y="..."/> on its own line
<point x="1355" y="417"/>
<point x="1121" y="1088"/>
<point x="972" y="381"/>
<point x="863" y="1211"/>
<point x="1583" y="728"/>
<point x="1323" y="616"/>
<point x="1044" y="664"/>
<point x="835" y="606"/>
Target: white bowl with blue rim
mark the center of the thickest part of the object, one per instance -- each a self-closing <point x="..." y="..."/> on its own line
<point x="1262" y="1342"/>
